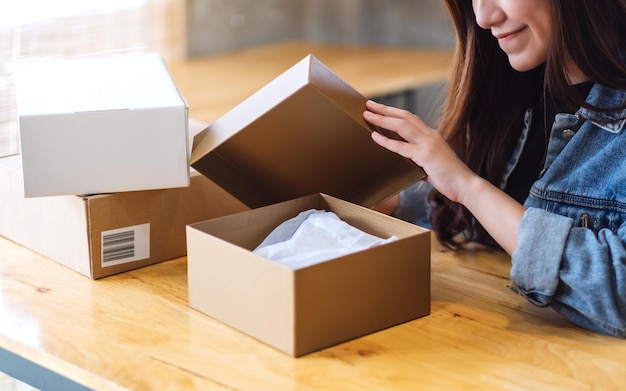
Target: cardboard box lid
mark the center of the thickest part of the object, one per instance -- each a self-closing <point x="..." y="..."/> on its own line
<point x="300" y="134"/>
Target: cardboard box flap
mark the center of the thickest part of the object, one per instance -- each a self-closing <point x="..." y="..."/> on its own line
<point x="302" y="133"/>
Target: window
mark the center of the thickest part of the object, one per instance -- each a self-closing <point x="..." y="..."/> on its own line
<point x="73" y="28"/>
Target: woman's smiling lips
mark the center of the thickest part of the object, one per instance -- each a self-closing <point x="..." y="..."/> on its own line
<point x="504" y="38"/>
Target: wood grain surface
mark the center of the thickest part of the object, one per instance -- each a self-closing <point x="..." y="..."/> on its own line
<point x="136" y="331"/>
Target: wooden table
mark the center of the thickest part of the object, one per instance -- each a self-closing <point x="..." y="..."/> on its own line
<point x="213" y="85"/>
<point x="136" y="331"/>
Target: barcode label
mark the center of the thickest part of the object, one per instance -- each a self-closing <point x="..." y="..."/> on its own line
<point x="126" y="244"/>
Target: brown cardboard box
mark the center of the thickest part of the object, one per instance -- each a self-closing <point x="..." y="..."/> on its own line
<point x="301" y="143"/>
<point x="304" y="310"/>
<point x="83" y="232"/>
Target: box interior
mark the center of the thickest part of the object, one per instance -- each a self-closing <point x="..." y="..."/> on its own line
<point x="238" y="230"/>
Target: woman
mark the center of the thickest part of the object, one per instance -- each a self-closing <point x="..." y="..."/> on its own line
<point x="531" y="149"/>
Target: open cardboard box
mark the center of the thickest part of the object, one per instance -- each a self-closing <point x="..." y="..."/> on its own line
<point x="83" y="232"/>
<point x="100" y="125"/>
<point x="304" y="310"/>
<point x="300" y="143"/>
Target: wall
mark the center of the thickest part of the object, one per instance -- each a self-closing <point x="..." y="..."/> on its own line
<point x="395" y="22"/>
<point x="218" y="25"/>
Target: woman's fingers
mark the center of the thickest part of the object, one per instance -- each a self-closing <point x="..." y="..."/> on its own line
<point x="407" y="125"/>
<point x="383" y="109"/>
<point x="391" y="124"/>
<point x="402" y="148"/>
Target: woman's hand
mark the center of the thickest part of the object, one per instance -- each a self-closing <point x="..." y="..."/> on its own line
<point x="424" y="145"/>
<point x="499" y="214"/>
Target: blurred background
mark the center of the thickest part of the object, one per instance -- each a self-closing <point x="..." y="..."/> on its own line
<point x="178" y="29"/>
<point x="218" y="25"/>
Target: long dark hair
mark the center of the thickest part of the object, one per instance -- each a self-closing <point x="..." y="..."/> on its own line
<point x="486" y="99"/>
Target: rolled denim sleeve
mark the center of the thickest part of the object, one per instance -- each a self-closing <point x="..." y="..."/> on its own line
<point x="536" y="261"/>
<point x="576" y="271"/>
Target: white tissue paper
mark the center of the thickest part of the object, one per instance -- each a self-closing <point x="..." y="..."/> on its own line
<point x="312" y="237"/>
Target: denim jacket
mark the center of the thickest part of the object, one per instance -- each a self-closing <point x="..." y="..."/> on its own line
<point x="571" y="252"/>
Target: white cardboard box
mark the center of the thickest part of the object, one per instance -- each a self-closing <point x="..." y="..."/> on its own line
<point x="301" y="143"/>
<point x="100" y="125"/>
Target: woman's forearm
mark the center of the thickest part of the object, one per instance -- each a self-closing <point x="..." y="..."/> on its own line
<point x="498" y="213"/>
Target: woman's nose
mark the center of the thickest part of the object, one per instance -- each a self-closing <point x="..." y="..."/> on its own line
<point x="488" y="13"/>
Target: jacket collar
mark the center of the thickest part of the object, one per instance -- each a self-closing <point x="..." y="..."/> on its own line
<point x="604" y="97"/>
